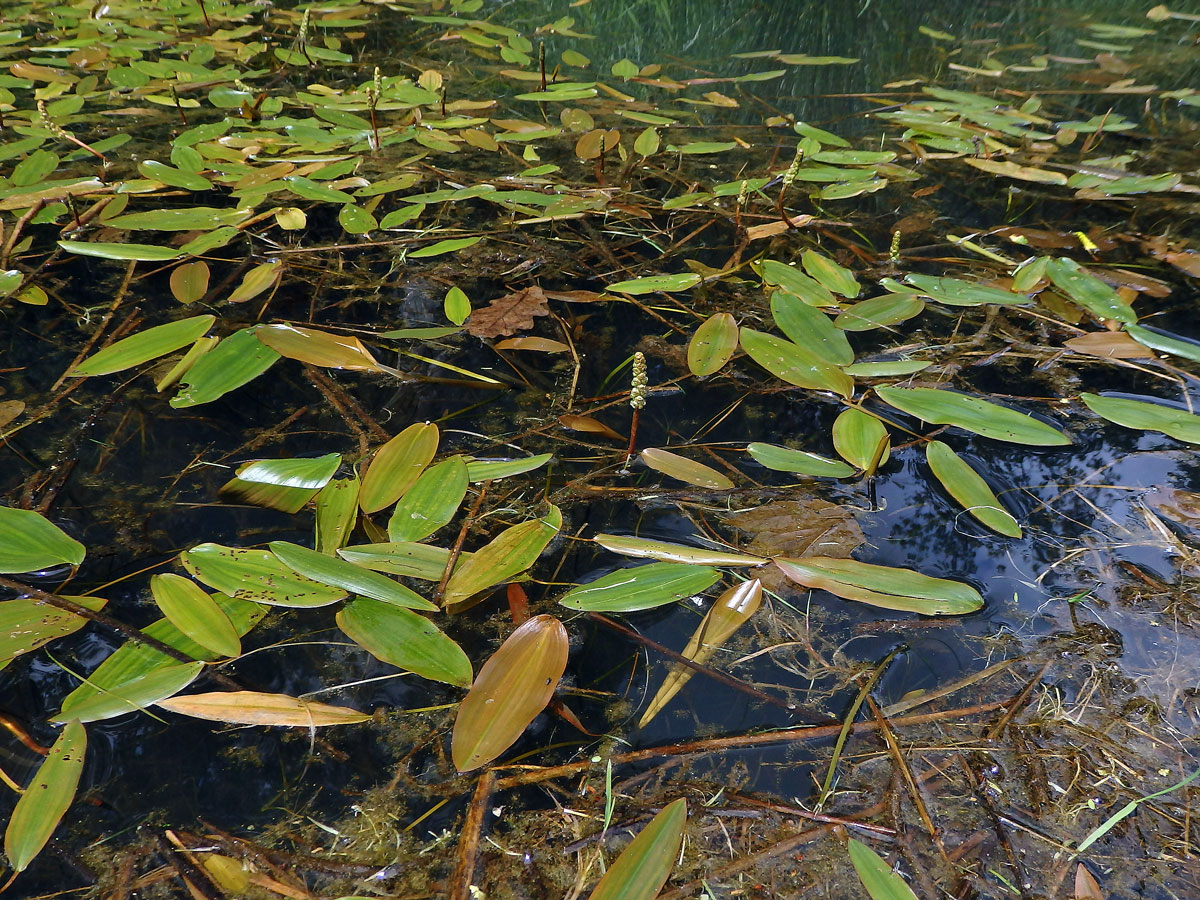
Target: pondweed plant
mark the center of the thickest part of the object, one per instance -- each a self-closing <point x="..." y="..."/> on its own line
<point x="472" y="226"/>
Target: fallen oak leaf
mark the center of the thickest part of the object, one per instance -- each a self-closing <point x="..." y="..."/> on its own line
<point x="509" y="314"/>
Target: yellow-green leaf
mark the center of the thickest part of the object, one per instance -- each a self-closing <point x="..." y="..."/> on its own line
<point x="335" y="571"/>
<point x="645" y="865"/>
<point x="405" y="639"/>
<point x="876" y="875"/>
<point x="318" y="348"/>
<point x="30" y="541"/>
<point x="510" y="553"/>
<point x="337" y="508"/>
<point x="833" y="277"/>
<point x="256" y="281"/>
<point x="641" y="587"/>
<point x="144" y="346"/>
<point x="255" y="575"/>
<point x="883" y="586"/>
<point x="686" y="470"/>
<point x="441" y="247"/>
<point x="46" y="799"/>
<point x="795" y="364"/>
<point x="431" y="502"/>
<point x="513" y="686"/>
<point x="801" y="462"/>
<point x="857" y="437"/>
<point x="713" y="344"/>
<point x="967" y="486"/>
<point x="196" y="614"/>
<point x="397" y="465"/>
<point x="667" y="552"/>
<point x="189" y="281"/>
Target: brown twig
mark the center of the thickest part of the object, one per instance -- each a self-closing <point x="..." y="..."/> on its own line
<point x="91" y="342"/>
<point x="468" y="844"/>
<point x="456" y="550"/>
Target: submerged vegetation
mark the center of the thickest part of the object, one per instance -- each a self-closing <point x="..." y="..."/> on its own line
<point x="531" y="451"/>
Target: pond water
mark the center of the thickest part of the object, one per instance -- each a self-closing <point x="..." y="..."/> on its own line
<point x="1012" y="137"/>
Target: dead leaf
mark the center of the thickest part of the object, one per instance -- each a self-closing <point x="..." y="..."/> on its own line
<point x="1108" y="345"/>
<point x="1186" y="260"/>
<point x="771" y="229"/>
<point x="254" y="708"/>
<point x="509" y="314"/>
<point x="589" y="425"/>
<point x="1086" y="886"/>
<point x="573" y="296"/>
<point x="9" y="410"/>
<point x="797" y="528"/>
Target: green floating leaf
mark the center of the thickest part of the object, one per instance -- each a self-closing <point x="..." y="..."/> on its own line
<point x="318" y="348"/>
<point x="730" y="611"/>
<point x="667" y="552"/>
<point x="457" y="306"/>
<point x="30" y="541"/>
<point x="1089" y="291"/>
<point x="135" y="694"/>
<point x="876" y="875"/>
<point x="401" y="558"/>
<point x="312" y="190"/>
<point x="254" y="282"/>
<point x="46" y="799"/>
<point x="513" y="686"/>
<point x="337" y="572"/>
<point x="145" y="252"/>
<point x="490" y="469"/>
<point x="356" y="220"/>
<point x="886" y="368"/>
<point x="645" y="865"/>
<point x="508" y="554"/>
<point x="685" y="470"/>
<point x="441" y="247"/>
<point x="313" y="473"/>
<point x="404" y="639"/>
<point x="431" y="502"/>
<point x="144" y="346"/>
<point x="1164" y="342"/>
<point x="795" y="364"/>
<point x="701" y="147"/>
<point x="967" y="486"/>
<point x="670" y="283"/>
<point x="879" y="312"/>
<point x="883" y="586"/>
<point x="1176" y="423"/>
<point x="191" y="218"/>
<point x="173" y="177"/>
<point x="27" y="624"/>
<point x="810" y="328"/>
<point x="858" y="436"/>
<point x="337" y="509"/>
<point x="974" y="414"/>
<point x="641" y="587"/>
<point x="955" y="292"/>
<point x="195" y="614"/>
<point x="255" y="575"/>
<point x="833" y="277"/>
<point x="712" y="345"/>
<point x="236" y="360"/>
<point x="800" y="462"/>
<point x="793" y="281"/>
<point x="397" y="465"/>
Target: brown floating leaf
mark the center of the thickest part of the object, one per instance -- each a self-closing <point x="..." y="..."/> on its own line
<point x="589" y="425"/>
<point x="540" y="344"/>
<point x="10" y="409"/>
<point x="686" y="470"/>
<point x="757" y="232"/>
<point x="509" y="314"/>
<point x="510" y="690"/>
<point x="319" y="348"/>
<point x="254" y="708"/>
<point x="1086" y="886"/>
<point x="1108" y="345"/>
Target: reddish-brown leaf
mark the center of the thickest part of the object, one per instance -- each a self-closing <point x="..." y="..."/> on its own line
<point x="509" y="314"/>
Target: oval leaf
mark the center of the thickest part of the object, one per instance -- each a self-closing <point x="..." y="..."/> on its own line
<point x="46" y="799"/>
<point x="318" y="348"/>
<point x="652" y="283"/>
<point x="254" y="708"/>
<point x="686" y="470"/>
<point x="974" y="414"/>
<point x="196" y="614"/>
<point x="404" y="639"/>
<point x="795" y="364"/>
<point x="134" y="694"/>
<point x="335" y="571"/>
<point x="255" y="575"/>
<point x="713" y="344"/>
<point x="857" y="437"/>
<point x="833" y="277"/>
<point x="1089" y="291"/>
<point x="792" y="281"/>
<point x="810" y="328"/>
<point x="189" y="281"/>
<point x="645" y="865"/>
<point x="236" y="360"/>
<point x="144" y="346"/>
<point x="967" y="486"/>
<point x="510" y="553"/>
<point x="431" y="502"/>
<point x="955" y="292"/>
<point x="800" y="462"/>
<point x="397" y="465"/>
<point x="29" y="541"/>
<point x="641" y="587"/>
<point x="513" y="686"/>
<point x="879" y="312"/>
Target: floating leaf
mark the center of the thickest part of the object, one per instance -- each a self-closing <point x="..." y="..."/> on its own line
<point x="46" y="799"/>
<point x="589" y="425"/>
<point x="886" y="368"/>
<point x="490" y="469"/>
<point x="337" y="508"/>
<point x="195" y="614"/>
<point x="402" y="558"/>
<point x="145" y="252"/>
<point x="318" y="348"/>
<point x="794" y="282"/>
<point x="339" y="573"/>
<point x="876" y="875"/>
<point x="670" y="283"/>
<point x="254" y="708"/>
<point x="800" y="462"/>
<point x="537" y="344"/>
<point x="974" y="414"/>
<point x="236" y="360"/>
<point x="857" y="437"/>
<point x="255" y="281"/>
<point x="449" y="246"/>
<point x="700" y="147"/>
<point x="29" y="542"/>
<point x="879" y="312"/>
<point x="647" y="143"/>
<point x="1108" y="345"/>
<point x="713" y="344"/>
<point x="134" y="694"/>
<point x="685" y="469"/>
<point x="456" y="305"/>
<point x="833" y="277"/>
<point x="513" y="686"/>
<point x="173" y="177"/>
<point x="356" y="220"/>
<point x="397" y="465"/>
<point x="1177" y="423"/>
<point x="27" y="624"/>
<point x="1089" y="291"/>
<point x="509" y="314"/>
<point x="645" y="865"/>
<point x="967" y="486"/>
<point x="404" y="639"/>
<point x="431" y="502"/>
<point x="510" y="553"/>
<point x="144" y="346"/>
<point x="1164" y="342"/>
<point x="189" y="281"/>
<point x="730" y="611"/>
<point x="883" y="586"/>
<point x="191" y="218"/>
<point x="667" y="552"/>
<point x="810" y="328"/>
<point x="641" y="587"/>
<point x="955" y="292"/>
<point x="1010" y="169"/>
<point x="795" y="364"/>
<point x="255" y="575"/>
